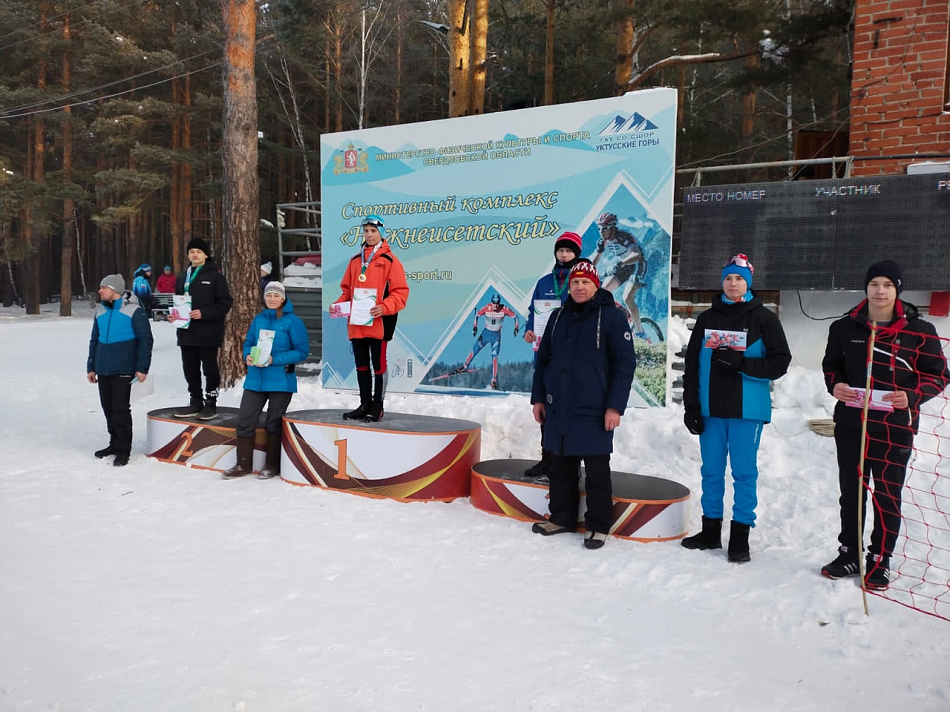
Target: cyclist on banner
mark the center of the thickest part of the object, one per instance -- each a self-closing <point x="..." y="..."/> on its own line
<point x="494" y="313"/>
<point x="627" y="259"/>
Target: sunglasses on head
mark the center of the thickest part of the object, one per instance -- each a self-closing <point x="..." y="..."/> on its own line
<point x="740" y="260"/>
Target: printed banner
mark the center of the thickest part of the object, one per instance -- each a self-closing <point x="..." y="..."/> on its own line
<point x="473" y="207"/>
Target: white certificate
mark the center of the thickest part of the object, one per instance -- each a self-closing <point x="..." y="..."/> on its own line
<point x="181" y="308"/>
<point x="543" y="308"/>
<point x="363" y="300"/>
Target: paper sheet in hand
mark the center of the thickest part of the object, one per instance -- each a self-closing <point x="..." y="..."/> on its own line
<point x="543" y="308"/>
<point x="260" y="354"/>
<point x="877" y="401"/>
<point x="363" y="301"/>
<point x="181" y="308"/>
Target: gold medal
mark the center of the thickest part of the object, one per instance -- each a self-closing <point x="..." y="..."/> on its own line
<point x="362" y="278"/>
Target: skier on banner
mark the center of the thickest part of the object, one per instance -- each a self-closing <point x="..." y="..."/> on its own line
<point x="629" y="260"/>
<point x="494" y="313"/>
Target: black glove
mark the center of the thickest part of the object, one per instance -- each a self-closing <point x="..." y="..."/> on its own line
<point x="600" y="245"/>
<point x="474" y="331"/>
<point x="516" y="331"/>
<point x="694" y="422"/>
<point x="727" y="358"/>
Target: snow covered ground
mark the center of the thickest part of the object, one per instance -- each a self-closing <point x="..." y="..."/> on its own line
<point x="156" y="587"/>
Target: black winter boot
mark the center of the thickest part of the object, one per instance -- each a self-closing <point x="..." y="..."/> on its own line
<point x="365" y="381"/>
<point x="709" y="538"/>
<point x="191" y="410"/>
<point x="210" y="408"/>
<point x="739" y="543"/>
<point x="244" y="459"/>
<point x="540" y="469"/>
<point x="375" y="413"/>
<point x="272" y="461"/>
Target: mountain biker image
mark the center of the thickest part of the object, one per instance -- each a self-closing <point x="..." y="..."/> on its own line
<point x="627" y="259"/>
<point x="494" y="313"/>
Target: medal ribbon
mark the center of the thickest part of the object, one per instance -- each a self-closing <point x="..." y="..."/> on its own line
<point x="559" y="288"/>
<point x="364" y="261"/>
<point x="190" y="276"/>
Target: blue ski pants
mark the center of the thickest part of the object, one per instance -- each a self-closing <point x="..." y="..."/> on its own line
<point x="739" y="440"/>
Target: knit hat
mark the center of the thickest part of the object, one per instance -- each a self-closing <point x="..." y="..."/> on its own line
<point x="585" y="268"/>
<point x="115" y="282"/>
<point x="267" y="268"/>
<point x="277" y="288"/>
<point x="886" y="268"/>
<point x="145" y="267"/>
<point x="570" y="240"/>
<point x="741" y="266"/>
<point x="168" y="268"/>
<point x="196" y="243"/>
<point x="376" y="222"/>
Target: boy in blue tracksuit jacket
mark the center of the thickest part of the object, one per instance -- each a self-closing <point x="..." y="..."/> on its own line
<point x="551" y="287"/>
<point x="272" y="384"/>
<point x="736" y="348"/>
<point x="120" y="350"/>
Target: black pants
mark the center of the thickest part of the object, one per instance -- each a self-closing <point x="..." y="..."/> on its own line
<point x="252" y="404"/>
<point x="365" y="350"/>
<point x="194" y="359"/>
<point x="886" y="462"/>
<point x="114" y="394"/>
<point x="565" y="497"/>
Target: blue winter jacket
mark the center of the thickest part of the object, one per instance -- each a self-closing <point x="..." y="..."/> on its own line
<point x="714" y="391"/>
<point x="585" y="365"/>
<point x="546" y="288"/>
<point x="291" y="346"/>
<point x="141" y="287"/>
<point x="121" y="342"/>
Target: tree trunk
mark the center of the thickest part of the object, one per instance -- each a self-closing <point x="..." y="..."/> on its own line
<point x="623" y="71"/>
<point x="240" y="204"/>
<point x="460" y="57"/>
<point x="748" y="113"/>
<point x="69" y="205"/>
<point x="549" y="6"/>
<point x="478" y="68"/>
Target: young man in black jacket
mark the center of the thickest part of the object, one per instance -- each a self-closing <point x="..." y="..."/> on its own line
<point x="908" y="366"/>
<point x="200" y="340"/>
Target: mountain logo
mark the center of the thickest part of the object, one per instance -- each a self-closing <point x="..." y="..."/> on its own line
<point x="623" y="125"/>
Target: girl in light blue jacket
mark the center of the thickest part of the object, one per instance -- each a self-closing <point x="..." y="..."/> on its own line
<point x="273" y="382"/>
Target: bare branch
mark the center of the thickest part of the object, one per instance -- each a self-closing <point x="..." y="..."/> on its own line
<point x="679" y="59"/>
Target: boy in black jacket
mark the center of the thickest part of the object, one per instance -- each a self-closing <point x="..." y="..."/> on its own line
<point x="909" y="366"/>
<point x="200" y="340"/>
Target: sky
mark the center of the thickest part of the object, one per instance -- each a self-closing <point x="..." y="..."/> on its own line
<point x="158" y="587"/>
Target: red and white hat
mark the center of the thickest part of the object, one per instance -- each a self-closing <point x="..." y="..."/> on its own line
<point x="570" y="240"/>
<point x="585" y="269"/>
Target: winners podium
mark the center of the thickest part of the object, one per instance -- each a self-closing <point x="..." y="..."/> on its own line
<point x="404" y="457"/>
<point x="645" y="508"/>
<point x="205" y="444"/>
<point x="410" y="458"/>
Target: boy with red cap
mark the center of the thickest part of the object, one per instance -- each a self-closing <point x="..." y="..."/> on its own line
<point x="551" y="287"/>
<point x="736" y="348"/>
<point x="582" y="381"/>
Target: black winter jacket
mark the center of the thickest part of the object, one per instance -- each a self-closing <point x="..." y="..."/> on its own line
<point x="907" y="356"/>
<point x="710" y="389"/>
<point x="209" y="293"/>
<point x="585" y="365"/>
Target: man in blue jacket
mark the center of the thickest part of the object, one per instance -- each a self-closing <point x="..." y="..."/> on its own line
<point x="120" y="349"/>
<point x="582" y="381"/>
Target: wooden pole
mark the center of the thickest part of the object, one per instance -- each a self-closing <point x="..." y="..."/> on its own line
<point x="864" y="439"/>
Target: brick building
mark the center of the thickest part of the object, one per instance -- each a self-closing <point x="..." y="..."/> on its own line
<point x="900" y="87"/>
